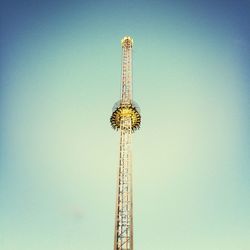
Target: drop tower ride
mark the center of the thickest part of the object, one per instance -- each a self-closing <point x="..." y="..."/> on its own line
<point x="126" y="118"/>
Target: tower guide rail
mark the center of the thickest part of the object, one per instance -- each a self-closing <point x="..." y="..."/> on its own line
<point x="127" y="118"/>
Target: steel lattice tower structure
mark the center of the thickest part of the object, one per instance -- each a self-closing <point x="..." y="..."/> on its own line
<point x="127" y="119"/>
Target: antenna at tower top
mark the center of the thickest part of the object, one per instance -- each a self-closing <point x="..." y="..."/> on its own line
<point x="127" y="42"/>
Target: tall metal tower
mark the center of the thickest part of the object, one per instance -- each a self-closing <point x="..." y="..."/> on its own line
<point x="125" y="117"/>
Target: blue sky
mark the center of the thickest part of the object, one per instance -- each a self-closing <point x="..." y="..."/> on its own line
<point x="60" y="76"/>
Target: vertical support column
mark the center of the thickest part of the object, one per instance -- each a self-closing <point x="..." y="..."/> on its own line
<point x="126" y="91"/>
<point x="124" y="202"/>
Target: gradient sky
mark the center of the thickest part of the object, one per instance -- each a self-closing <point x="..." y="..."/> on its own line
<point x="60" y="76"/>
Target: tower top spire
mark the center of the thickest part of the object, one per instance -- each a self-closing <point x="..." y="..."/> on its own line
<point x="127" y="42"/>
